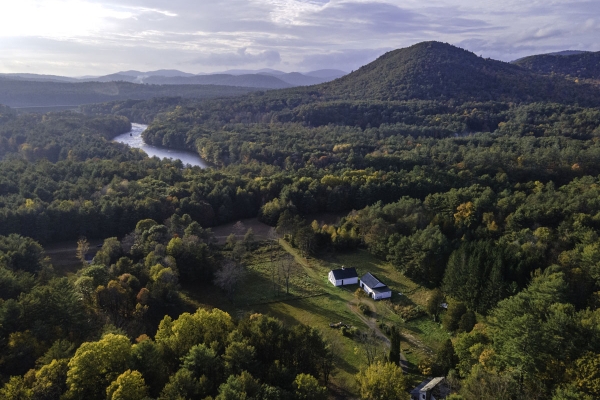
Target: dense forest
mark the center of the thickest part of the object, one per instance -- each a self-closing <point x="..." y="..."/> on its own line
<point x="584" y="65"/>
<point x="474" y="178"/>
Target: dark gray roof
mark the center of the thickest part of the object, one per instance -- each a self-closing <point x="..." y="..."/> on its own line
<point x="428" y="385"/>
<point x="344" y="273"/>
<point x="370" y="280"/>
<point x="383" y="289"/>
<point x="417" y="390"/>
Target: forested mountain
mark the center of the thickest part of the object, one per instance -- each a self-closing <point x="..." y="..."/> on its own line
<point x="439" y="71"/>
<point x="583" y="65"/>
<point x="253" y="80"/>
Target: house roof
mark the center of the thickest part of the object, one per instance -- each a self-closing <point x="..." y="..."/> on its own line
<point x="345" y="273"/>
<point x="370" y="280"/>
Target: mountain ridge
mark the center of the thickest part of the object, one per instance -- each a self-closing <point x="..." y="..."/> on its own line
<point x="239" y="78"/>
<point x="585" y="65"/>
<point x="440" y="71"/>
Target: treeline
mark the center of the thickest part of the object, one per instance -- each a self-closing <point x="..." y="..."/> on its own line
<point x="139" y="111"/>
<point x="59" y="136"/>
<point x="100" y="198"/>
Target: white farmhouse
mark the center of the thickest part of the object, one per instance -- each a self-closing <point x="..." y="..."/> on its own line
<point x="343" y="276"/>
<point x="374" y="287"/>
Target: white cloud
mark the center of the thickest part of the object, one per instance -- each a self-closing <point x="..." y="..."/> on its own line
<point x="102" y="35"/>
<point x="290" y="12"/>
<point x="55" y="18"/>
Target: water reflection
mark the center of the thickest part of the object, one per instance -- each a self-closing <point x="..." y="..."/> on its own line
<point x="134" y="139"/>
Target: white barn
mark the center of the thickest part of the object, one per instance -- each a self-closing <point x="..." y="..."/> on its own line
<point x="374" y="287"/>
<point x="343" y="276"/>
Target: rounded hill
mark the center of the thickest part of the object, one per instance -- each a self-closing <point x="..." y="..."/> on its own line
<point x="440" y="71"/>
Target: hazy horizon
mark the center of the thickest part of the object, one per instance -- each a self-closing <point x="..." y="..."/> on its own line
<point x="95" y="37"/>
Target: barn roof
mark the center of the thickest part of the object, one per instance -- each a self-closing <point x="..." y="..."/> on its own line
<point x="370" y="280"/>
<point x="344" y="273"/>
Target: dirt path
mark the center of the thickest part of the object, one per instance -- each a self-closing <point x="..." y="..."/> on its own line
<point x="371" y="323"/>
<point x="417" y="343"/>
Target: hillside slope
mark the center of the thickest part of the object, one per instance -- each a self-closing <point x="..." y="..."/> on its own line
<point x="583" y="65"/>
<point x="439" y="71"/>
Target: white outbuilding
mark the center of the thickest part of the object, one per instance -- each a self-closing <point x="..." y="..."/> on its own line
<point x="343" y="276"/>
<point x="374" y="287"/>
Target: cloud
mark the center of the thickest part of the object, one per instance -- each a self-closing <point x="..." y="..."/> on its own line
<point x="152" y="10"/>
<point x="239" y="58"/>
<point x="347" y="60"/>
<point x="292" y="34"/>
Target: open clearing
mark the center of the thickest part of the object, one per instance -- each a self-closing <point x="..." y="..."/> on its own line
<point x="63" y="256"/>
<point x="310" y="299"/>
<point x="313" y="301"/>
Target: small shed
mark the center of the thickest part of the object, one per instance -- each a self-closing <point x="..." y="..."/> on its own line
<point x="374" y="287"/>
<point x="431" y="389"/>
<point x="343" y="276"/>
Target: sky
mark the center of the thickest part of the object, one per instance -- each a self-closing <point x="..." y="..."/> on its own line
<point x="95" y="37"/>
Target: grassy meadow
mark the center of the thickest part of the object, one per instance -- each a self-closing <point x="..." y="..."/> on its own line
<point x="313" y="301"/>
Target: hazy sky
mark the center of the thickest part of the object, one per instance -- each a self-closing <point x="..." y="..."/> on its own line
<point x="93" y="37"/>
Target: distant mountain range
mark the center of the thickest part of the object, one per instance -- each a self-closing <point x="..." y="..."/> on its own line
<point x="424" y="71"/>
<point x="34" y="90"/>
<point x="261" y="79"/>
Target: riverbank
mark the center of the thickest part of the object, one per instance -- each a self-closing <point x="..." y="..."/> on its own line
<point x="134" y="139"/>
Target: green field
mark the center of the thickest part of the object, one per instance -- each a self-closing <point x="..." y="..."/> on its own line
<point x="313" y="301"/>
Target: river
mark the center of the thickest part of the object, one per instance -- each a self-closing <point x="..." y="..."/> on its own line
<point x="134" y="139"/>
